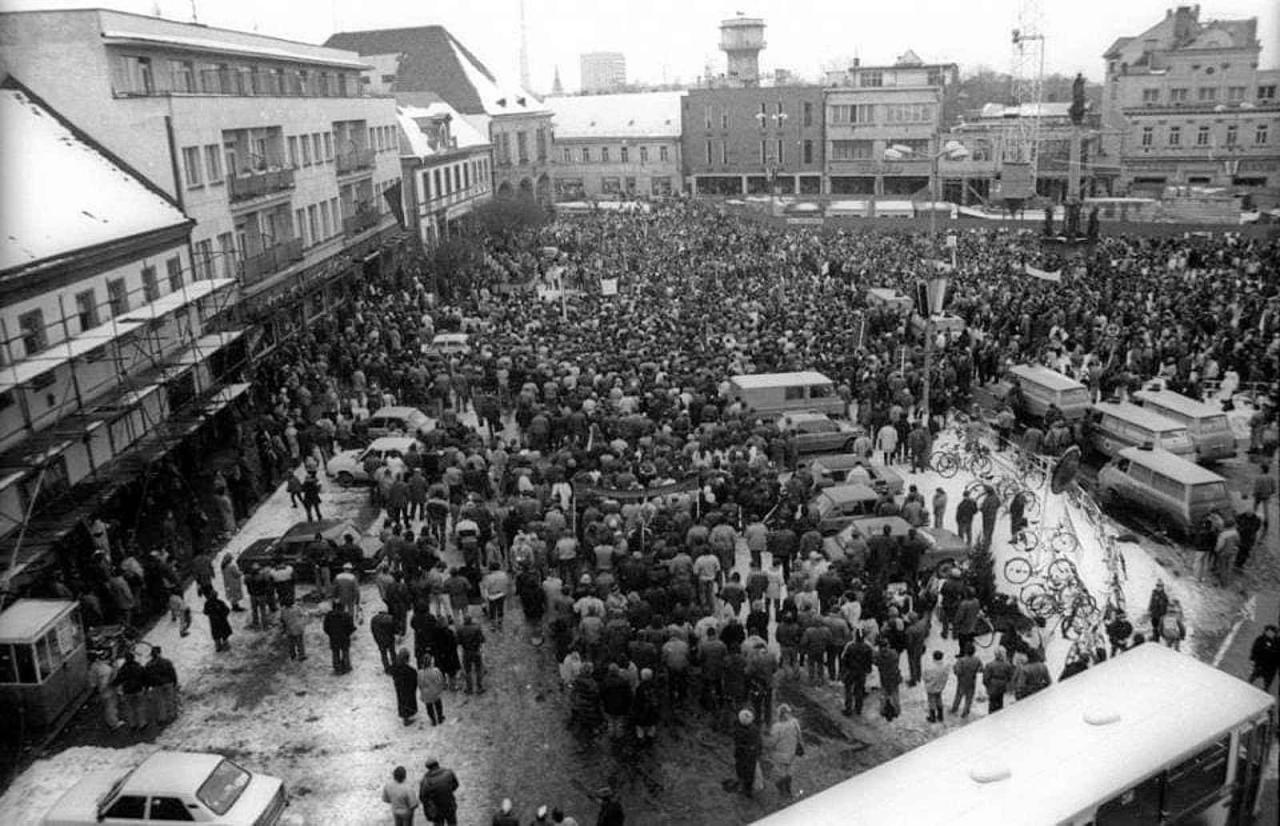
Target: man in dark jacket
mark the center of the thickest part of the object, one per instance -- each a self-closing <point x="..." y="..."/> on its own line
<point x="990" y="509"/>
<point x="917" y="634"/>
<point x="965" y="511"/>
<point x="1158" y="606"/>
<point x="996" y="676"/>
<point x="747" y="744"/>
<point x="339" y="627"/>
<point x="1265" y="655"/>
<point x="383" y="627"/>
<point x="615" y="700"/>
<point x="435" y="792"/>
<point x="855" y="665"/>
<point x="132" y="681"/>
<point x="470" y="640"/>
<point x="162" y="687"/>
<point x="886" y="662"/>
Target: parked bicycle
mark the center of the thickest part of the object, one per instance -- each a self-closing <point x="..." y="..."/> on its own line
<point x="948" y="461"/>
<point x="1062" y="540"/>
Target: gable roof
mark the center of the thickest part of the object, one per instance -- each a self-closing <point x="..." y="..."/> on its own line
<point x="74" y="193"/>
<point x="639" y="115"/>
<point x="411" y="120"/>
<point x="433" y="60"/>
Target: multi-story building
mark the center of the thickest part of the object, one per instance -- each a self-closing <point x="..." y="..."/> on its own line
<point x="112" y="341"/>
<point x="431" y="64"/>
<point x="1185" y="103"/>
<point x="272" y="146"/>
<point x="617" y="145"/>
<point x="753" y="140"/>
<point x="446" y="166"/>
<point x="871" y="108"/>
<point x="603" y="72"/>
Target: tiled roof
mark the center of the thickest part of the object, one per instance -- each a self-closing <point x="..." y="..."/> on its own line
<point x="641" y="114"/>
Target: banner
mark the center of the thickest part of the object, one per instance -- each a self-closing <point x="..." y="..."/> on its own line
<point x="393" y="198"/>
<point x="1044" y="275"/>
<point x="608" y="286"/>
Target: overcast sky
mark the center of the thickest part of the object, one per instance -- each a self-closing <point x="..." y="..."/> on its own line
<point x="676" y="39"/>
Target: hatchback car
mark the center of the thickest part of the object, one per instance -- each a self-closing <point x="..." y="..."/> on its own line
<point x="348" y="466"/>
<point x="818" y="432"/>
<point x="837" y="507"/>
<point x="397" y="421"/>
<point x="292" y="547"/>
<point x="173" y="787"/>
<point x="834" y="468"/>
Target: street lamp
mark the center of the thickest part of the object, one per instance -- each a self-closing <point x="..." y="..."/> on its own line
<point x="937" y="282"/>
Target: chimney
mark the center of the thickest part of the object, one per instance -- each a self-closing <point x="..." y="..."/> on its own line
<point x="857" y="61"/>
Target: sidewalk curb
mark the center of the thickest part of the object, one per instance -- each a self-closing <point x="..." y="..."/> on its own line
<point x="1247" y="614"/>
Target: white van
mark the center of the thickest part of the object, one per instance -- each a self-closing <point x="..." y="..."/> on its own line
<point x="772" y="393"/>
<point x="1164" y="485"/>
<point x="1206" y="424"/>
<point x="889" y="298"/>
<point x="1113" y="426"/>
<point x="1040" y="387"/>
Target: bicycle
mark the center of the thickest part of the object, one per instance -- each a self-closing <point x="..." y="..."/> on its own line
<point x="1058" y="573"/>
<point x="984" y="635"/>
<point x="948" y="461"/>
<point x="1061" y="541"/>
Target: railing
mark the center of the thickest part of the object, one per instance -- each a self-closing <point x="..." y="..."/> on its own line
<point x="255" y="184"/>
<point x="355" y="160"/>
<point x="361" y="221"/>
<point x="272" y="260"/>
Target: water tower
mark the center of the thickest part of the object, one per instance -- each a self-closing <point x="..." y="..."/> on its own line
<point x="741" y="39"/>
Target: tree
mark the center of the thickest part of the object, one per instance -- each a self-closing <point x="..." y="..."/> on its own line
<point x="503" y="216"/>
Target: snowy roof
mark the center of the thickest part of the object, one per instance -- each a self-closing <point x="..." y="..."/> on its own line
<point x="412" y="119"/>
<point x="638" y="115"/>
<point x="73" y="193"/>
<point x="1026" y="110"/>
<point x="280" y="51"/>
<point x="24" y="619"/>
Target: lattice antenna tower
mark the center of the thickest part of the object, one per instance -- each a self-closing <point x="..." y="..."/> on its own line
<point x="1021" y="143"/>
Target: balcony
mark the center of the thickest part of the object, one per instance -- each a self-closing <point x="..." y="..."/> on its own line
<point x="361" y="221"/>
<point x="272" y="260"/>
<point x="256" y="184"/>
<point x="355" y="161"/>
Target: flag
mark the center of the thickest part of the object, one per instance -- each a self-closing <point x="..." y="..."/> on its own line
<point x="392" y="196"/>
<point x="1044" y="275"/>
<point x="608" y="286"/>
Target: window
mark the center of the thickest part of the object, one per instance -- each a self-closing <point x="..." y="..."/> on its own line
<point x="724" y="118"/>
<point x="118" y="296"/>
<point x="457" y="178"/>
<point x="660" y="187"/>
<point x="724" y="152"/>
<point x="337" y="219"/>
<point x="873" y="79"/>
<point x="1139" y="805"/>
<point x="1260" y="134"/>
<point x="1202" y="136"/>
<point x="1207" y="93"/>
<point x="31" y="325"/>
<point x="169" y="808"/>
<point x="522" y="146"/>
<point x="630" y="185"/>
<point x="1267" y="92"/>
<point x="313" y="221"/>
<point x="128" y="806"/>
<point x="764" y="152"/>
<point x="173" y="268"/>
<point x="191" y="163"/>
<point x="567" y="154"/>
<point x="1150" y="95"/>
<point x="223" y="787"/>
<point x="300" y="219"/>
<point x="1235" y="94"/>
<point x="851" y="150"/>
<point x="540" y="138"/>
<point x="1178" y="95"/>
<point x="586" y="154"/>
<point x="150" y="284"/>
<point x="293" y="151"/>
<point x="1175" y="135"/>
<point x="839" y="114"/>
<point x="1233" y="135"/>
<point x="662" y="154"/>
<point x="611" y="186"/>
<point x="306" y="151"/>
<point x="324" y="218"/>
<point x="227" y="248"/>
<point x="438" y="190"/>
<point x="1191" y="782"/>
<point x="203" y="263"/>
<point x="213" y="163"/>
<point x="315" y="147"/>
<point x="808" y="151"/>
<point x="87" y="310"/>
<point x="624" y="155"/>
<point x="328" y="146"/>
<point x="782" y="158"/>
<point x="706" y="114"/>
<point x="604" y="154"/>
<point x="1148" y="135"/>
<point x="184" y="75"/>
<point x="808" y="113"/>
<point x="644" y="154"/>
<point x="708" y="153"/>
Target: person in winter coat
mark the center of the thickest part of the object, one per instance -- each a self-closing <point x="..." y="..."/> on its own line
<point x="886" y="662"/>
<point x="383" y="627"/>
<point x="939" y="507"/>
<point x="339" y="627"/>
<point x="232" y="582"/>
<point x="1173" y="629"/>
<point x="936" y="675"/>
<point x="431" y="689"/>
<point x="887" y="443"/>
<point x="990" y="509"/>
<point x="405" y="678"/>
<point x="965" y="512"/>
<point x="1031" y="676"/>
<point x="615" y="700"/>
<point x="950" y="595"/>
<point x="1017" y="516"/>
<point x="645" y="708"/>
<point x="1265" y="656"/>
<point x="747" y="745"/>
<point x="131" y="680"/>
<point x="996" y="677"/>
<point x="917" y="635"/>
<point x="967" y="668"/>
<point x="855" y="665"/>
<point x="585" y="714"/>
<point x="219" y="626"/>
<point x="784" y="744"/>
<point x="399" y="795"/>
<point x="294" y="621"/>
<point x="966" y="620"/>
<point x="436" y="793"/>
<point x="1157" y="607"/>
<point x="443" y="645"/>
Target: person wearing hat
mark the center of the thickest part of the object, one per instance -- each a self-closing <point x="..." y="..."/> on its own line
<point x="611" y="813"/>
<point x="505" y="816"/>
<point x="1157" y="607"/>
<point x="542" y="815"/>
<point x="436" y="793"/>
<point x="747" y="745"/>
<point x="346" y="589"/>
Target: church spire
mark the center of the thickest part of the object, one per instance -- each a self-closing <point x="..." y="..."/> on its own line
<point x="557" y="88"/>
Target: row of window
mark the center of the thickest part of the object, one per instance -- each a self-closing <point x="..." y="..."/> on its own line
<point x="34" y="335"/>
<point x="869" y="113"/>
<point x="204" y="164"/>
<point x="624" y="154"/>
<point x="145" y="75"/>
<point x="318" y="222"/>
<point x="1204" y="135"/>
<point x="770" y="152"/>
<point x="567" y="188"/>
<point x="1208" y="94"/>
<point x="502" y="147"/>
<point x="775" y="115"/>
<point x="457" y="178"/>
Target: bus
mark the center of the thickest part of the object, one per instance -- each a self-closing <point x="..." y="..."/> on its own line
<point x="774" y="393"/>
<point x="1207" y="424"/>
<point x="1151" y="736"/>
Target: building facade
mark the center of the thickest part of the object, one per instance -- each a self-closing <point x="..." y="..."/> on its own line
<point x="1185" y="104"/>
<point x="753" y="140"/>
<point x="432" y="65"/>
<point x="446" y="169"/>
<point x="869" y="109"/>
<point x="602" y="72"/>
<point x="112" y="340"/>
<point x="273" y="147"/>
<point x="617" y="146"/>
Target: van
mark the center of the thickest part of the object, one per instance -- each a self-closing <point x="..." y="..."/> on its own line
<point x="1112" y="426"/>
<point x="1168" y="487"/>
<point x="1207" y="425"/>
<point x="397" y="421"/>
<point x="837" y="507"/>
<point x="952" y="325"/>
<point x="890" y="299"/>
<point x="448" y="344"/>
<point x="772" y="393"/>
<point x="1040" y="387"/>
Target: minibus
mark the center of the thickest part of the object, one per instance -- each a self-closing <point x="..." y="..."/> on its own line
<point x="783" y="392"/>
<point x="1040" y="387"/>
<point x="1206" y="424"/>
<point x="1170" y="488"/>
<point x="1117" y="425"/>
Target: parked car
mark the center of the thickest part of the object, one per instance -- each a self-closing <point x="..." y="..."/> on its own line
<point x="837" y="507"/>
<point x="397" y="421"/>
<point x="945" y="549"/>
<point x="448" y="344"/>
<point x="347" y="466"/>
<point x="818" y="432"/>
<point x="293" y="544"/>
<point x="833" y="469"/>
<point x="865" y="528"/>
<point x="173" y="786"/>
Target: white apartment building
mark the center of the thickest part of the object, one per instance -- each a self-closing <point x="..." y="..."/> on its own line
<point x="447" y="169"/>
<point x="273" y="147"/>
<point x="616" y="146"/>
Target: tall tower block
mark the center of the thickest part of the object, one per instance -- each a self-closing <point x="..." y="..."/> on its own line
<point x="741" y="39"/>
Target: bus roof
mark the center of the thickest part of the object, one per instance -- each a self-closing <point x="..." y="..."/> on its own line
<point x="1170" y="464"/>
<point x="1163" y="707"/>
<point x="1182" y="404"/>
<point x="1043" y="375"/>
<point x="756" y="381"/>
<point x="1140" y="416"/>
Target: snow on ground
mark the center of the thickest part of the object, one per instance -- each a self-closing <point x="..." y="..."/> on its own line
<point x="40" y="786"/>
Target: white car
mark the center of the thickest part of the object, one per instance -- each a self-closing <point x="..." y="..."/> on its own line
<point x="173" y="787"/>
<point x="347" y="467"/>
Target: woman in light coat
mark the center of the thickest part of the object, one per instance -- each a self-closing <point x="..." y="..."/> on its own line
<point x="783" y="742"/>
<point x="232" y="582"/>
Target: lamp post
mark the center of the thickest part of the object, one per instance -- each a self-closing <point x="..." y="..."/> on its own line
<point x="937" y="283"/>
